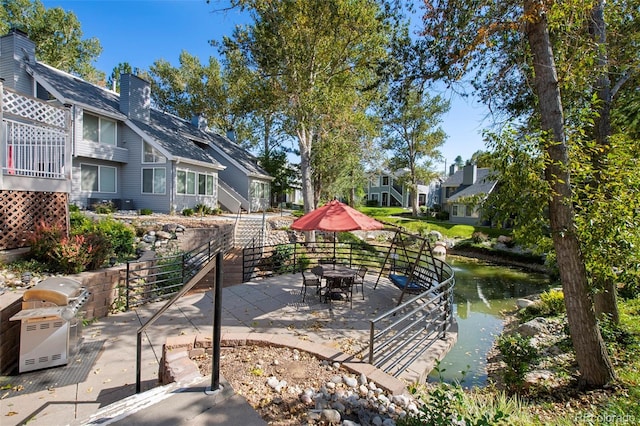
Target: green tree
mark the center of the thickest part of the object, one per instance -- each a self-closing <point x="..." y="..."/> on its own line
<point x="317" y="56"/>
<point x="481" y="33"/>
<point x="276" y="164"/>
<point x="412" y="136"/>
<point x="194" y="89"/>
<point x="113" y="82"/>
<point x="57" y="35"/>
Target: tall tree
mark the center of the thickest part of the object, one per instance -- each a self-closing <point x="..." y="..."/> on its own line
<point x="317" y="56"/>
<point x="483" y="28"/>
<point x="412" y="136"/>
<point x="113" y="82"/>
<point x="57" y="35"/>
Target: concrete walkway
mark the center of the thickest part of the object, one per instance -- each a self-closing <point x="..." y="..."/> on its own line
<point x="270" y="309"/>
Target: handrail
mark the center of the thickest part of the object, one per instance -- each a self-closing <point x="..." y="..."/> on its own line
<point x="421" y="325"/>
<point x="206" y="267"/>
<point x="425" y="318"/>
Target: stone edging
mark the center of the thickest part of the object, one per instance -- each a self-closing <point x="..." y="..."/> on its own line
<point x="176" y="364"/>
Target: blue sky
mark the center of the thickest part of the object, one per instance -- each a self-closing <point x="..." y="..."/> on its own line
<point x="142" y="31"/>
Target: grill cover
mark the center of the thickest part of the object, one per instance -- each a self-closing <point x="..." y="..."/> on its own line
<point x="59" y="291"/>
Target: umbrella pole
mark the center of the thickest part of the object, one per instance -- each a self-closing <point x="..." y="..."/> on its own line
<point x="335" y="237"/>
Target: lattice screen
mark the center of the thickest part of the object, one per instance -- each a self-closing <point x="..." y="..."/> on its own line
<point x="34" y="109"/>
<point x="22" y="211"/>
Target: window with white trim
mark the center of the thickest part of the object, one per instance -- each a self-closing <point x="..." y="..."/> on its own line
<point x="98" y="129"/>
<point x="152" y="155"/>
<point x="205" y="184"/>
<point x="154" y="180"/>
<point x="260" y="189"/>
<point x="468" y="211"/>
<point x="98" y="178"/>
<point x="186" y="182"/>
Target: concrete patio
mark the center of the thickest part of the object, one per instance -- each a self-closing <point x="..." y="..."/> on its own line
<point x="270" y="307"/>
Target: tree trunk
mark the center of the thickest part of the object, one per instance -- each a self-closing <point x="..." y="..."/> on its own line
<point x="305" y="138"/>
<point x="595" y="366"/>
<point x="606" y="297"/>
<point x="414" y="200"/>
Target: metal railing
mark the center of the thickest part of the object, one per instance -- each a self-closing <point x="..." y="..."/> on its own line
<point x="195" y="265"/>
<point x="399" y="336"/>
<point x="270" y="260"/>
<point x="159" y="278"/>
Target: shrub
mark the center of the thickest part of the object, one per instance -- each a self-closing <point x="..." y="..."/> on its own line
<point x="89" y="245"/>
<point x="447" y="404"/>
<point x="146" y="212"/>
<point x="554" y="300"/>
<point x="43" y="240"/>
<point x="187" y="212"/>
<point x="518" y="354"/>
<point x="105" y="207"/>
<point x="442" y="216"/>
<point x="303" y="262"/>
<point x="372" y="203"/>
<point x="479" y="237"/>
<point x="202" y="209"/>
<point x="121" y="236"/>
<point x="281" y="258"/>
<point x="72" y="255"/>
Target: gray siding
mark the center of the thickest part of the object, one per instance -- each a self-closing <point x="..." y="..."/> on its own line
<point x="80" y="197"/>
<point x="11" y="69"/>
<point x="135" y="97"/>
<point x="131" y="185"/>
<point x="183" y="201"/>
<point x="234" y="177"/>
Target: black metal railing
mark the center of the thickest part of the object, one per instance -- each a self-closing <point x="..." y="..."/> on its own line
<point x="173" y="277"/>
<point x="159" y="278"/>
<point x="267" y="261"/>
<point x="401" y="335"/>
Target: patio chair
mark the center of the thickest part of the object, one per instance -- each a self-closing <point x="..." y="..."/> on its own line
<point x="308" y="281"/>
<point x="359" y="278"/>
<point x="339" y="286"/>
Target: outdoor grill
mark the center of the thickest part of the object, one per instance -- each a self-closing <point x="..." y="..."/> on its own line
<point x="51" y="326"/>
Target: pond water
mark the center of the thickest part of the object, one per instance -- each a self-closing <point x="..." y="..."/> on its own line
<point x="481" y="293"/>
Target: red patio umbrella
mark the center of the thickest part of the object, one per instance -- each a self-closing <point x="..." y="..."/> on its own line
<point x="337" y="217"/>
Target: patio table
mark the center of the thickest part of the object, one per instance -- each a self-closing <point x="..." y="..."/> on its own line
<point x="339" y="279"/>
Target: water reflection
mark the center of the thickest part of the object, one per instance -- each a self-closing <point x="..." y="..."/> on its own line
<point x="481" y="293"/>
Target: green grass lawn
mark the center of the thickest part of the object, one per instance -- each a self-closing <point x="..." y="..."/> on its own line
<point x="398" y="217"/>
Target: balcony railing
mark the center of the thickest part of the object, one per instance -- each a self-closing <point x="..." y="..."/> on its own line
<point x="34" y="150"/>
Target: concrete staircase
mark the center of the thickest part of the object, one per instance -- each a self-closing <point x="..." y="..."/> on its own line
<point x="249" y="231"/>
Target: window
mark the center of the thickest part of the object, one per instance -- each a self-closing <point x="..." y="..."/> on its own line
<point x="98" y="129"/>
<point x="97" y="178"/>
<point x="468" y="211"/>
<point x="211" y="184"/>
<point x="186" y="182"/>
<point x="152" y="155"/>
<point x="385" y="180"/>
<point x="259" y="189"/>
<point x="154" y="180"/>
<point x="205" y="184"/>
<point x="454" y="210"/>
